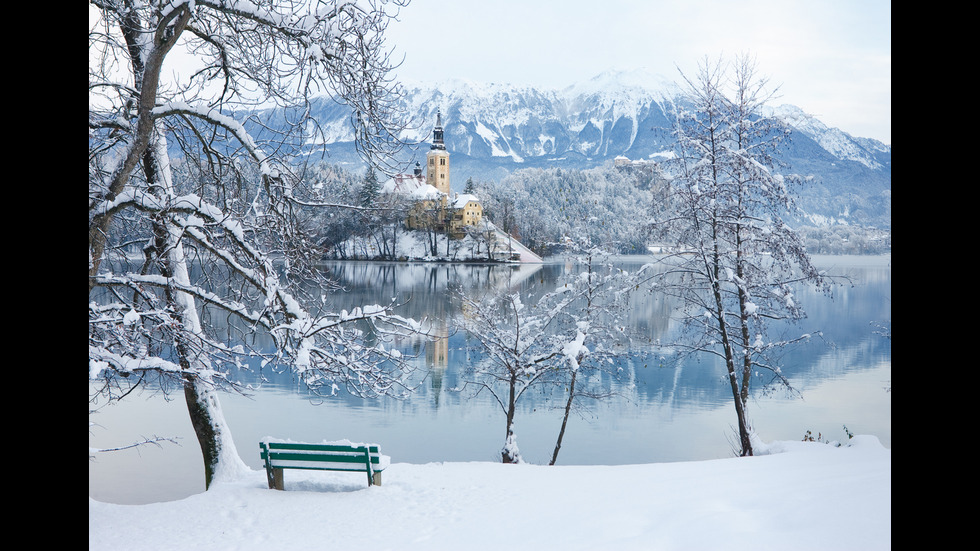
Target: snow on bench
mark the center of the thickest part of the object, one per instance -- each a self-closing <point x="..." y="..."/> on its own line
<point x="328" y="456"/>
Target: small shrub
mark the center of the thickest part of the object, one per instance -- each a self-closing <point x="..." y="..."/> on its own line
<point x="808" y="437"/>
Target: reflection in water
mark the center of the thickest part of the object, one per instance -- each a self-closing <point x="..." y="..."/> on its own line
<point x="437" y="356"/>
<point x="662" y="410"/>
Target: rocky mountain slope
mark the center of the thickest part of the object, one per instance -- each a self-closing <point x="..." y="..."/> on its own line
<point x="494" y="129"/>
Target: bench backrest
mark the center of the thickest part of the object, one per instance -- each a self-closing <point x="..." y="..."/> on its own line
<point x="334" y="457"/>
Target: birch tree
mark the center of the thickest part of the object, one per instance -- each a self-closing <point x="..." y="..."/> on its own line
<point x="735" y="262"/>
<point x="180" y="243"/>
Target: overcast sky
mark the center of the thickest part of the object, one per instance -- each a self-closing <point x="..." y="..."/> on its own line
<point x="831" y="58"/>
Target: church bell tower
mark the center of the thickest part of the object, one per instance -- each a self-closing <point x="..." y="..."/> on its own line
<point x="437" y="160"/>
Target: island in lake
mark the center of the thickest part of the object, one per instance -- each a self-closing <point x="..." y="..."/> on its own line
<point x="438" y="225"/>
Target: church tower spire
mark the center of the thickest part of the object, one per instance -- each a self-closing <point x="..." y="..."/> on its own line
<point x="437" y="140"/>
<point x="437" y="160"/>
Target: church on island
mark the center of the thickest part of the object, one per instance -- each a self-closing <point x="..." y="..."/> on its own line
<point x="435" y="206"/>
<point x="458" y="216"/>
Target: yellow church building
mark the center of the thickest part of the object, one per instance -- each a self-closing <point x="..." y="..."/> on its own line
<point x="436" y="206"/>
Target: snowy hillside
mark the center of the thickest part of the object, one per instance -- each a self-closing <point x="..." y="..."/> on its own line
<point x="834" y="140"/>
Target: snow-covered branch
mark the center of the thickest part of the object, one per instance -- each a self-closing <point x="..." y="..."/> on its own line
<point x="199" y="259"/>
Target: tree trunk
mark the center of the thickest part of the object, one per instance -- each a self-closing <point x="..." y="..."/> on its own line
<point x="202" y="403"/>
<point x="147" y="64"/>
<point x="510" y="453"/>
<point x="204" y="427"/>
<point x="723" y="330"/>
<point x="564" y="419"/>
<point x="744" y="321"/>
<point x="743" y="427"/>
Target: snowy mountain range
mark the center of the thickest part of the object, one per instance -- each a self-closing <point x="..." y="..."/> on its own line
<point x="494" y="129"/>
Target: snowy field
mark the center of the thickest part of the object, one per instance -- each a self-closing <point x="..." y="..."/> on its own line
<point x="799" y="495"/>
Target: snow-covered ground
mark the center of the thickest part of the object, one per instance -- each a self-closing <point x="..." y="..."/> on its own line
<point x="799" y="495"/>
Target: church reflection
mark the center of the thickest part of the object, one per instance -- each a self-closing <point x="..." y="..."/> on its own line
<point x="429" y="291"/>
<point x="437" y="357"/>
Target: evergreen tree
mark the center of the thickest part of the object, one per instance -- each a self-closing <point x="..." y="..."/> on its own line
<point x="369" y="187"/>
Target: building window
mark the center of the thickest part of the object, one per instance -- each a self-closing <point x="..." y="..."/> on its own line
<point x="442" y="162"/>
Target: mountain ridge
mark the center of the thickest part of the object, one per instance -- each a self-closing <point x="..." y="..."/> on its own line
<point x="493" y="129"/>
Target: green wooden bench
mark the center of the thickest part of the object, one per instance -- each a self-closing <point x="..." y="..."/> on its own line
<point x="334" y="456"/>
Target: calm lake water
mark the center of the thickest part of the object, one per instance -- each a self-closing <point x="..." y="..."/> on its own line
<point x="661" y="411"/>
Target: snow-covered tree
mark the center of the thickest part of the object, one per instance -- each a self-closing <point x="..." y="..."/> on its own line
<point x="519" y="346"/>
<point x="383" y="221"/>
<point x="201" y="260"/>
<point x="600" y="305"/>
<point x="484" y="238"/>
<point x="369" y="187"/>
<point x="333" y="225"/>
<point x="550" y="341"/>
<point x="603" y="205"/>
<point x="735" y="262"/>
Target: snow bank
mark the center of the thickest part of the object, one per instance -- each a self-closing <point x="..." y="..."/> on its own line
<point x="800" y="495"/>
